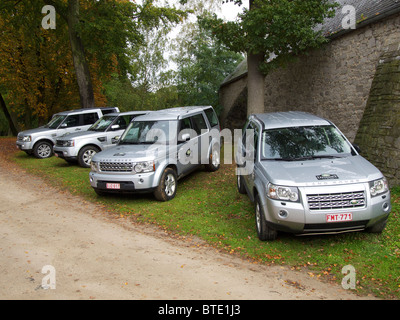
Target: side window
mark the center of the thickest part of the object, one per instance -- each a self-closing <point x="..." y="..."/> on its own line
<point x="71" y="121"/>
<point x="90" y="118"/>
<point x="212" y="117"/>
<point x="123" y="122"/>
<point x="199" y="123"/>
<point x="250" y="139"/>
<point x="185" y="127"/>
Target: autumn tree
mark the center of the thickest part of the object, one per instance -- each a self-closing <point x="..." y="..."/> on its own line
<point x="272" y="33"/>
<point x="44" y="71"/>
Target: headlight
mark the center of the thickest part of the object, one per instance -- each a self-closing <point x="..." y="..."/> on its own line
<point x="68" y="143"/>
<point x="147" y="166"/>
<point x="378" y="187"/>
<point x="26" y="138"/>
<point x="282" y="193"/>
<point x="93" y="166"/>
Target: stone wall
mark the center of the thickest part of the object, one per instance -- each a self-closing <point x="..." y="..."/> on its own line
<point x="334" y="82"/>
<point x="379" y="132"/>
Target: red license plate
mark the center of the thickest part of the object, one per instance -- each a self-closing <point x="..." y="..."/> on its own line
<point x="113" y="186"/>
<point x="339" y="217"/>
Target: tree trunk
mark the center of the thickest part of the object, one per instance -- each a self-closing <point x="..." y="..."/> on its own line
<point x="13" y="128"/>
<point x="80" y="64"/>
<point x="255" y="79"/>
<point x="255" y="84"/>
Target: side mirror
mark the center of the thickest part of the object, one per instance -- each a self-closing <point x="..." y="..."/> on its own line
<point x="357" y="148"/>
<point x="115" y="127"/>
<point x="185" y="137"/>
<point x="115" y="139"/>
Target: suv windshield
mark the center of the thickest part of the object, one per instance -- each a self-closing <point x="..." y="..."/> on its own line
<point x="302" y="143"/>
<point x="149" y="132"/>
<point x="102" y="124"/>
<point x="55" y="122"/>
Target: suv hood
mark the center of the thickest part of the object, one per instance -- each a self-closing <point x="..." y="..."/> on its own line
<point x="353" y="169"/>
<point x="134" y="153"/>
<point x="80" y="134"/>
<point x="39" y="130"/>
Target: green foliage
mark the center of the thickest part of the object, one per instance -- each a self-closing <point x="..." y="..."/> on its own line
<point x="121" y="93"/>
<point x="281" y="28"/>
<point x="203" y="63"/>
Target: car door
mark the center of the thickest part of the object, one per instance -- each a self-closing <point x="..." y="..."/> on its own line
<point x="187" y="146"/>
<point x="116" y="129"/>
<point x="71" y="123"/>
<point x="248" y="153"/>
<point x="203" y="136"/>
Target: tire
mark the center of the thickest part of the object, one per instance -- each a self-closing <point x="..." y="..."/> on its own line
<point x="264" y="232"/>
<point x="377" y="228"/>
<point x="43" y="150"/>
<point x="214" y="160"/>
<point x="166" y="190"/>
<point x="85" y="155"/>
<point x="240" y="185"/>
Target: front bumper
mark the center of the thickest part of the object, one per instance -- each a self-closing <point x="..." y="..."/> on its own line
<point x="24" y="145"/>
<point x="297" y="217"/>
<point x="66" y="152"/>
<point x="123" y="183"/>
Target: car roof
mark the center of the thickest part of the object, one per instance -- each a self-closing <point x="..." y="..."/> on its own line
<point x="172" y="113"/>
<point x="289" y="119"/>
<point x="126" y="113"/>
<point x="82" y="110"/>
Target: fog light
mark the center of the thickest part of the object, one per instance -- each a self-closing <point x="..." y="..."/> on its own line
<point x="283" y="214"/>
<point x="385" y="207"/>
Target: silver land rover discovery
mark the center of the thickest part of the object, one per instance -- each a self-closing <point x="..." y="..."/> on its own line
<point x="305" y="177"/>
<point x="156" y="150"/>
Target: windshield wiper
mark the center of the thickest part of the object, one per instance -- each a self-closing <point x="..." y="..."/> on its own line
<point x="304" y="158"/>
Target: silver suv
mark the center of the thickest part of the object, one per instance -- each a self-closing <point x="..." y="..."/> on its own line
<point x="305" y="177"/>
<point x="156" y="150"/>
<point x="105" y="133"/>
<point x="40" y="141"/>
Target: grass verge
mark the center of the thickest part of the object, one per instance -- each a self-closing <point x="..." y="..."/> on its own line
<point x="208" y="206"/>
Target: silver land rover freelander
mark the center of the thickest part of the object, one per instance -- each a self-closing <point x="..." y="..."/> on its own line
<point x="305" y="177"/>
<point x="40" y="141"/>
<point x="103" y="134"/>
<point x="156" y="150"/>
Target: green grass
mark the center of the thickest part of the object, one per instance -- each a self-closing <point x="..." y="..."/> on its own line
<point x="209" y="207"/>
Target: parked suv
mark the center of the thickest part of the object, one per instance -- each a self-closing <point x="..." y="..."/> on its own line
<point x="40" y="141"/>
<point x="103" y="134"/>
<point x="156" y="150"/>
<point x="305" y="177"/>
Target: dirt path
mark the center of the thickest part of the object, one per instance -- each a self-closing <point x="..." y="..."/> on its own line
<point x="96" y="256"/>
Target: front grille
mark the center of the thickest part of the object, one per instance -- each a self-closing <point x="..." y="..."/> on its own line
<point x="116" y="166"/>
<point x="342" y="200"/>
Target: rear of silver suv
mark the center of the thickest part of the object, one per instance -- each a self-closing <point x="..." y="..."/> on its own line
<point x="156" y="150"/>
<point x="305" y="177"/>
